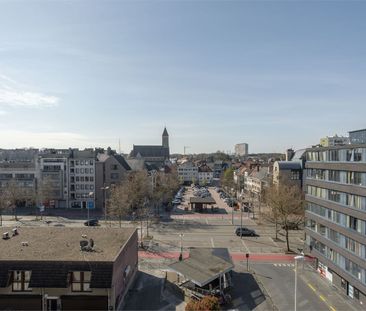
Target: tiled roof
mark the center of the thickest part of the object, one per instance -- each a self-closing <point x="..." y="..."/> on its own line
<point x="150" y="151"/>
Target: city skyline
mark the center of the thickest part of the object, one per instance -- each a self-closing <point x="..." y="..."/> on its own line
<point x="273" y="74"/>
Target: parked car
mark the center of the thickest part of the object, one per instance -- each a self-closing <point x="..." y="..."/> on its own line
<point x="291" y="226"/>
<point x="243" y="231"/>
<point x="91" y="222"/>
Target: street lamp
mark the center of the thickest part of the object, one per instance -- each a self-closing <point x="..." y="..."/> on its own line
<point x="88" y="206"/>
<point x="105" y="188"/>
<point x="181" y="247"/>
<point x="296" y="259"/>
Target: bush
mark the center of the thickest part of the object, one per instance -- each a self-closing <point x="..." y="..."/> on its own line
<point x="208" y="303"/>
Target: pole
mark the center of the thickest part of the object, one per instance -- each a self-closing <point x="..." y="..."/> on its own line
<point x="295" y="282"/>
<point x="241" y="220"/>
<point x="181" y="247"/>
<point x="105" y="206"/>
<point x="232" y="212"/>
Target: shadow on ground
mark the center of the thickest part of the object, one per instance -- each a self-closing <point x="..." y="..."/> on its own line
<point x="246" y="293"/>
<point x="147" y="294"/>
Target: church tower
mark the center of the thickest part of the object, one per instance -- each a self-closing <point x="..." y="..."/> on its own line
<point x="165" y="137"/>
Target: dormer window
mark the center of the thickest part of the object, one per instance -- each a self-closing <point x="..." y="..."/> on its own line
<point x="81" y="281"/>
<point x="20" y="281"/>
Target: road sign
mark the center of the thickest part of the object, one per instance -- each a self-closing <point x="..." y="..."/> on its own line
<point x="41" y="208"/>
<point x="90" y="204"/>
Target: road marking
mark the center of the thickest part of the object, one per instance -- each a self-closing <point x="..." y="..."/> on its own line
<point x="246" y="248"/>
<point x="312" y="287"/>
<point x="275" y="265"/>
<point x="212" y="243"/>
<point x="331" y="308"/>
<point x="206" y="221"/>
<point x="322" y="298"/>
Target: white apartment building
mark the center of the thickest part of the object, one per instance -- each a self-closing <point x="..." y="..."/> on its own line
<point x="188" y="172"/>
<point x="205" y="175"/>
<point x="82" y="179"/>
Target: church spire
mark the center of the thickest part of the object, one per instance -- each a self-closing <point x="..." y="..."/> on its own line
<point x="165" y="138"/>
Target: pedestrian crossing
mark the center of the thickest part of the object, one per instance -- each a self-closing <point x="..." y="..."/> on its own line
<point x="284" y="265"/>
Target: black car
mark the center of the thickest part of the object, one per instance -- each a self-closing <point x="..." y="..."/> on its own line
<point x="91" y="222"/>
<point x="244" y="232"/>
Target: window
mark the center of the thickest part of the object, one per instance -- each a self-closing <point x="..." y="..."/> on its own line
<point x="334" y="196"/>
<point x="357" y="155"/>
<point x="333" y="155"/>
<point x="114" y="176"/>
<point x="349" y="155"/>
<point x="114" y="167"/>
<point x="334" y="175"/>
<point x="21" y="281"/>
<point x="295" y="175"/>
<point x="352" y="223"/>
<point x="354" y="178"/>
<point x="81" y="281"/>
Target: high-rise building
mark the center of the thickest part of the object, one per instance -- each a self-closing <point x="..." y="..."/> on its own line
<point x="241" y="149"/>
<point x="335" y="186"/>
<point x="357" y="137"/>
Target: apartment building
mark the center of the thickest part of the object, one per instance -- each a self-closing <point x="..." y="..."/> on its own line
<point x="331" y="141"/>
<point x="110" y="168"/>
<point x="188" y="172"/>
<point x="82" y="178"/>
<point x="54" y="175"/>
<point x="241" y="149"/>
<point x="205" y="174"/>
<point x="75" y="269"/>
<point x="335" y="185"/>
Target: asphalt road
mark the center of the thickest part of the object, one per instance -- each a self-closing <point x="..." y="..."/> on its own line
<point x="279" y="281"/>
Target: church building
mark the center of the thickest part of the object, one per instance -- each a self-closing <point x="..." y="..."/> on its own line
<point x="153" y="154"/>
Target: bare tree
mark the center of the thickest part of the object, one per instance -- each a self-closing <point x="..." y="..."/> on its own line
<point x="120" y="202"/>
<point x="44" y="192"/>
<point x="15" y="195"/>
<point x="286" y="207"/>
<point x="131" y="196"/>
<point x="4" y="203"/>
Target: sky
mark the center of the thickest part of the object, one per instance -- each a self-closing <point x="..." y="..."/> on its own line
<point x="273" y="74"/>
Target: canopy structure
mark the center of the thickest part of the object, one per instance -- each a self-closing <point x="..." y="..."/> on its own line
<point x="204" y="265"/>
<point x="199" y="204"/>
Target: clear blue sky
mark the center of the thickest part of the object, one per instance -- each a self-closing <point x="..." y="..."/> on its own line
<point x="216" y="73"/>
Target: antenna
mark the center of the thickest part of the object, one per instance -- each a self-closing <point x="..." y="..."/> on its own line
<point x="186" y="147"/>
<point x="119" y="145"/>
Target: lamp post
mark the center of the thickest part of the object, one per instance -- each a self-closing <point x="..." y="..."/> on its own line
<point x="105" y="188"/>
<point x="88" y="207"/>
<point x="296" y="259"/>
<point x="181" y="247"/>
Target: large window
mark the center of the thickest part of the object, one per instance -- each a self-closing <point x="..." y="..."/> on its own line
<point x="333" y="155"/>
<point x="21" y="281"/>
<point x="334" y="175"/>
<point x="81" y="281"/>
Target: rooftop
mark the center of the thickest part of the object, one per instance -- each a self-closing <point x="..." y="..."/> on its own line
<point x="63" y="244"/>
<point x="204" y="265"/>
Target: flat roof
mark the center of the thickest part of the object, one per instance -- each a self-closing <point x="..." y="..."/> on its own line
<point x="207" y="200"/>
<point x="204" y="265"/>
<point x="63" y="244"/>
